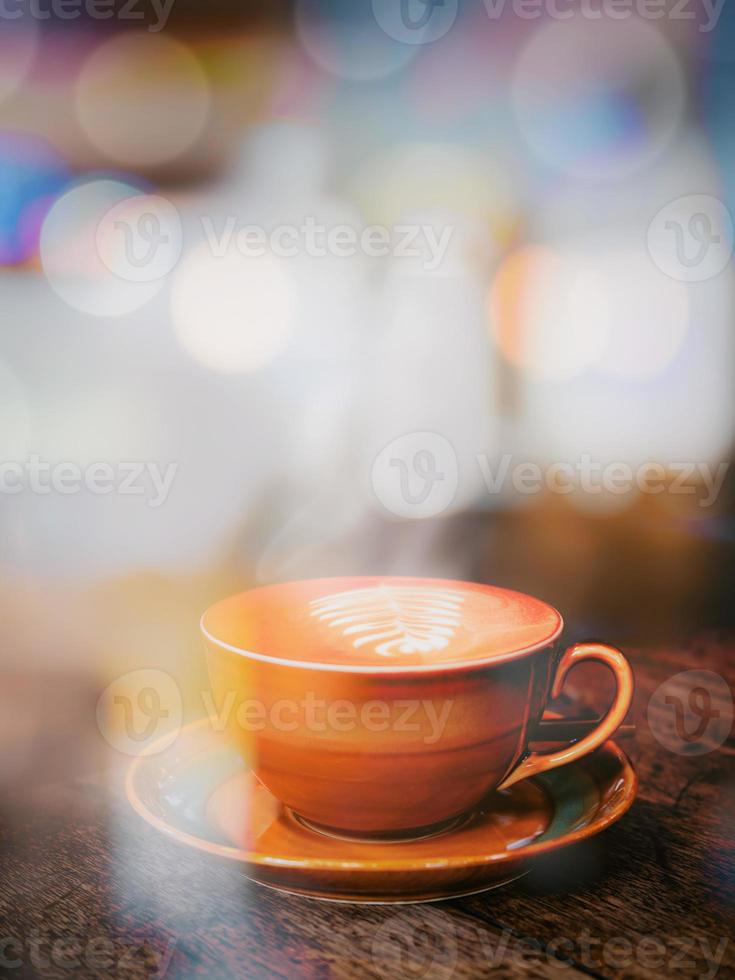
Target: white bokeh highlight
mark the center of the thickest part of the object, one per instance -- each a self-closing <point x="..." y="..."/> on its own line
<point x="231" y="312"/>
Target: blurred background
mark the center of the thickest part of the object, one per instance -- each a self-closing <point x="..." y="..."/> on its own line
<point x="307" y="288"/>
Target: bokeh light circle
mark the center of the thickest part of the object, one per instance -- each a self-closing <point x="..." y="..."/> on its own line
<point x="142" y="99"/>
<point x="232" y="313"/>
<point x="346" y="40"/>
<point x="70" y="250"/>
<point x="598" y="99"/>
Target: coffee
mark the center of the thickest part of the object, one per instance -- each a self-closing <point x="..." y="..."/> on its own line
<point x="379" y="706"/>
<point x="386" y="623"/>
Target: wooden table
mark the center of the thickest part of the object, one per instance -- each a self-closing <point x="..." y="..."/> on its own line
<point x="89" y="890"/>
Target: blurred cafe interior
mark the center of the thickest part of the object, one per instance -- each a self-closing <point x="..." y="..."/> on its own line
<point x="567" y="323"/>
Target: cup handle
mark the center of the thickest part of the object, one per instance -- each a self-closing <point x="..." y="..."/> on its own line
<point x="536" y="762"/>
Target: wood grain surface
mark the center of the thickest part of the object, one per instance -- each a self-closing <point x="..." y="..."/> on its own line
<point x="89" y="890"/>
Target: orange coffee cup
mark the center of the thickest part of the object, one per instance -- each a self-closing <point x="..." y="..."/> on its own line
<point x="390" y="706"/>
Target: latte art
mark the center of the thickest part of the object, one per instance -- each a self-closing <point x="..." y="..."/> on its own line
<point x="393" y="619"/>
<point x="382" y="623"/>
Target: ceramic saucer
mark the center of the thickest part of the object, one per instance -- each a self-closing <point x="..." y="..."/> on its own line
<point x="200" y="792"/>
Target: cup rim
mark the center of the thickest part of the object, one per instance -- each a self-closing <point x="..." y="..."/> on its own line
<point x="443" y="667"/>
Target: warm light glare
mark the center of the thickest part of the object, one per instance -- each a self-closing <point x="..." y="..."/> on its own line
<point x="550" y="312"/>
